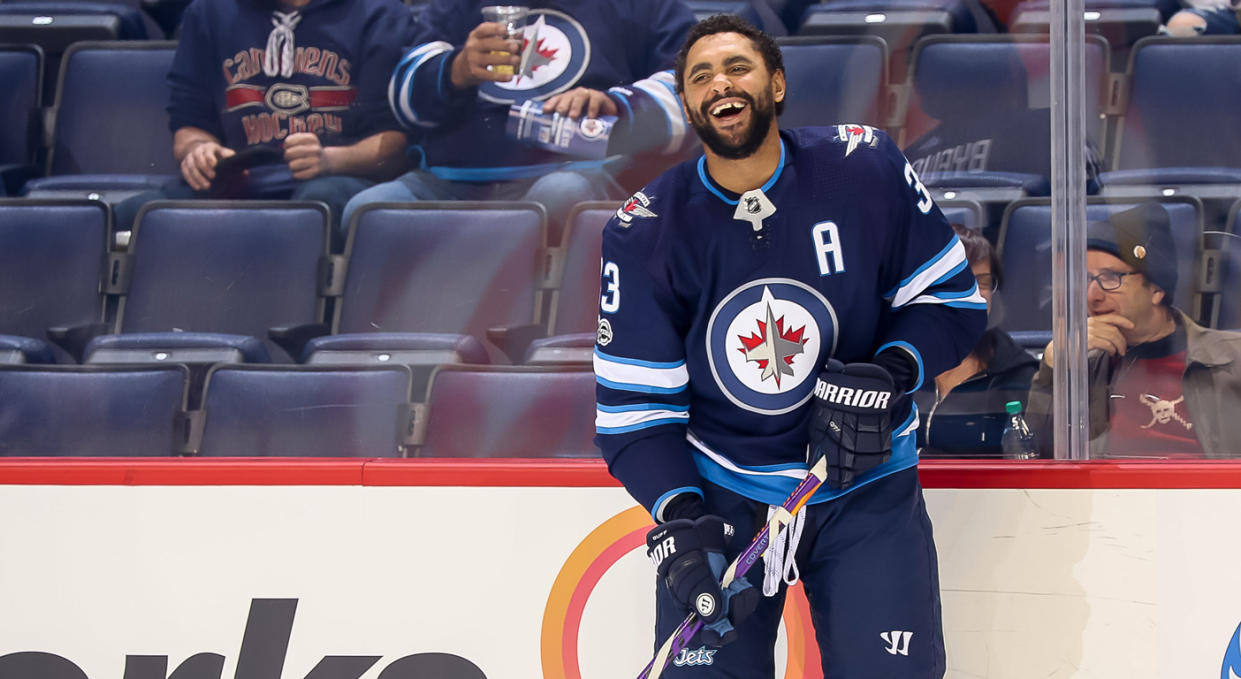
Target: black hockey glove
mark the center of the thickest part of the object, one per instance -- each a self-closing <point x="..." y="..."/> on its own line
<point x="689" y="556"/>
<point x="851" y="421"/>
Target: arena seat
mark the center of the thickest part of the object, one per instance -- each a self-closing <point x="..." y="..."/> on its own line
<point x="834" y="80"/>
<point x="967" y="213"/>
<point x="21" y="71"/>
<point x="53" y="259"/>
<point x="1222" y="273"/>
<point x="92" y="410"/>
<point x="1178" y="130"/>
<point x="978" y="123"/>
<point x="303" y="411"/>
<point x="900" y="23"/>
<point x="575" y="299"/>
<point x="1025" y="253"/>
<point x="506" y="411"/>
<point x="120" y="87"/>
<point x="1121" y="22"/>
<point x="205" y="281"/>
<point x="426" y="277"/>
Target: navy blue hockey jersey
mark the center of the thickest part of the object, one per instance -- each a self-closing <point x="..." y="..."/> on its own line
<point x="625" y="48"/>
<point x="710" y="339"/>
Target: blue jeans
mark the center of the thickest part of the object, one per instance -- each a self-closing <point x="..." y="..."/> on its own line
<point x="334" y="190"/>
<point x="557" y="191"/>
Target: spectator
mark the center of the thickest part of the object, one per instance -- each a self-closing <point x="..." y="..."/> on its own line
<point x="1204" y="17"/>
<point x="585" y="58"/>
<point x="1159" y="384"/>
<point x="297" y="87"/>
<point x="962" y="413"/>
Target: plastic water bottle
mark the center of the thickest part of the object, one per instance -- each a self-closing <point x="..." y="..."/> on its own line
<point x="1017" y="440"/>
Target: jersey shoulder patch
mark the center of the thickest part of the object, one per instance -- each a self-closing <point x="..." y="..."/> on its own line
<point x="855" y="137"/>
<point x="637" y="206"/>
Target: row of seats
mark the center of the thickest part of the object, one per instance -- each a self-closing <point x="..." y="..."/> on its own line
<point x="296" y="411"/>
<point x="419" y="283"/>
<point x="968" y="82"/>
<point x="202" y="282"/>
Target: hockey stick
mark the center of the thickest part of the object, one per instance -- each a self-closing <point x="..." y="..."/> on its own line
<point x="740" y="566"/>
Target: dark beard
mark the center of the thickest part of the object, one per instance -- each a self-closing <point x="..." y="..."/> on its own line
<point x="762" y="112"/>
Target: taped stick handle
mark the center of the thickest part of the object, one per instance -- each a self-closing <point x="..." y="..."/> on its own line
<point x="684" y="633"/>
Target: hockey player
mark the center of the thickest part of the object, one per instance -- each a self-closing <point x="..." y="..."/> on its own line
<point x="728" y="283"/>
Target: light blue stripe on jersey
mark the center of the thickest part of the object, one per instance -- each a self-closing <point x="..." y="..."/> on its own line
<point x="635" y="416"/>
<point x="640" y="425"/>
<point x="658" y="513"/>
<point x="702" y="176"/>
<point x="774" y="489"/>
<point x="947" y="263"/>
<point x="638" y="361"/>
<point x="647" y="377"/>
<point x="914" y="353"/>
<point x="400" y="98"/>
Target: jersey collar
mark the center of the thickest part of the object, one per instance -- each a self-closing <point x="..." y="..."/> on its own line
<point x="728" y="196"/>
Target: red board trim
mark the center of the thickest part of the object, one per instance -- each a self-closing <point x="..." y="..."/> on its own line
<point x="572" y="473"/>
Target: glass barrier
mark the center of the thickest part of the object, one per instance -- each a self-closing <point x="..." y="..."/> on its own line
<point x="273" y="245"/>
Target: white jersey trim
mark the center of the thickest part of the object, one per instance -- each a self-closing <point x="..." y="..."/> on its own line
<point x="661" y="377"/>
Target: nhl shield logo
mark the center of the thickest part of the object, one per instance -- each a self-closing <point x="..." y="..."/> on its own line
<point x="765" y="342"/>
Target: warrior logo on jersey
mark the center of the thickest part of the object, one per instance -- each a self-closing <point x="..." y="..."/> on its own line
<point x="555" y="53"/>
<point x="766" y="341"/>
<point x="856" y="135"/>
<point x="634" y="207"/>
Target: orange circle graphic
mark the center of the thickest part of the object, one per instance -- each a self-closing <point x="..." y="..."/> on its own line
<point x="599" y="551"/>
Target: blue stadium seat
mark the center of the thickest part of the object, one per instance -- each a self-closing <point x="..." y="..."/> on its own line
<point x="1025" y="253"/>
<point x="575" y="300"/>
<point x="120" y="87"/>
<point x="1178" y="134"/>
<point x="53" y="259"/>
<point x="900" y="23"/>
<point x="1121" y="22"/>
<point x="204" y="281"/>
<point x="1222" y="275"/>
<point x="419" y="271"/>
<point x="967" y="213"/>
<point x="92" y="411"/>
<point x="979" y="121"/>
<point x="834" y="80"/>
<point x="21" y="71"/>
<point x="472" y="412"/>
<point x="300" y="411"/>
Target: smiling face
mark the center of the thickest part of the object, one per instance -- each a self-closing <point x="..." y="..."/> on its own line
<point x="729" y="96"/>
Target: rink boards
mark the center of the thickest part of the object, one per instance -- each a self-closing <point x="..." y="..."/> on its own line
<point x="354" y="569"/>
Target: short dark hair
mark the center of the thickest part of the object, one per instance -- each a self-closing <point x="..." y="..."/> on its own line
<point x="731" y="23"/>
<point x="979" y="249"/>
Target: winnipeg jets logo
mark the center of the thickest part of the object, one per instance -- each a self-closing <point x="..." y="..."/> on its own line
<point x="773" y="348"/>
<point x="764" y="341"/>
<point x="688" y="658"/>
<point x="634" y="207"/>
<point x="554" y="54"/>
<point x="855" y="136"/>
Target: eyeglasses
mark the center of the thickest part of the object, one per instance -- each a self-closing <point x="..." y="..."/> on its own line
<point x="987" y="282"/>
<point x="1109" y="280"/>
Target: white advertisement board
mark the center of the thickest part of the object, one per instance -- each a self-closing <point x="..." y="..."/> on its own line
<point x="360" y="582"/>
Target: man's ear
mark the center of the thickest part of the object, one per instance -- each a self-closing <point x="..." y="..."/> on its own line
<point x="1157" y="294"/>
<point x="778" y="86"/>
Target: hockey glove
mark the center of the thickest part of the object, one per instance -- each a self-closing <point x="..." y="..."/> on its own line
<point x="689" y="557"/>
<point x="851" y="420"/>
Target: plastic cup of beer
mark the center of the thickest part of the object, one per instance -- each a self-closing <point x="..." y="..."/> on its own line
<point x="513" y="18"/>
